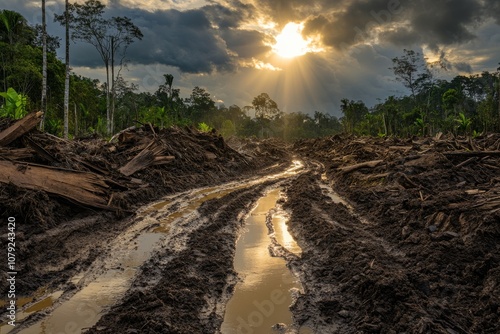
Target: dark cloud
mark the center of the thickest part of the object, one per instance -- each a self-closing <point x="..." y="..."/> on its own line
<point x="195" y="41"/>
<point x="445" y="22"/>
<point x="246" y="43"/>
<point x="492" y="9"/>
<point x="225" y="17"/>
<point x="402" y="22"/>
<point x="401" y="36"/>
<point x="463" y="67"/>
<point x="186" y="40"/>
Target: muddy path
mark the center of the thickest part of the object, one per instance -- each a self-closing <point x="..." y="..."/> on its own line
<point x="349" y="238"/>
<point x="169" y="271"/>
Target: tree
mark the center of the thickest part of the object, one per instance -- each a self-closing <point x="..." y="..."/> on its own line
<point x="66" y="81"/>
<point x="411" y="70"/>
<point x="353" y="114"/>
<point x="44" y="64"/>
<point x="265" y="107"/>
<point x="200" y="104"/>
<point x="14" y="28"/>
<point x="110" y="37"/>
<point x="266" y="110"/>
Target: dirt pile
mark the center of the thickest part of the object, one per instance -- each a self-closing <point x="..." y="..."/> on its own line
<point x="434" y="206"/>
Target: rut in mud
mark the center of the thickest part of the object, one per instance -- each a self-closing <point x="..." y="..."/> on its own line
<point x="187" y="242"/>
<point x="380" y="248"/>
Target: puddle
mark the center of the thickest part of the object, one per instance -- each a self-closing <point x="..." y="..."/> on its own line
<point x="263" y="297"/>
<point x="84" y="308"/>
<point x="113" y="276"/>
<point x="283" y="237"/>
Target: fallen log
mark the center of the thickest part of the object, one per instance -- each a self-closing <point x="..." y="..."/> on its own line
<point x="81" y="187"/>
<point x="366" y="164"/>
<point x="16" y="154"/>
<point x="19" y="128"/>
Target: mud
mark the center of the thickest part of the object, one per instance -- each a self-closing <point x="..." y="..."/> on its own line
<point x="419" y="254"/>
<point x="394" y="236"/>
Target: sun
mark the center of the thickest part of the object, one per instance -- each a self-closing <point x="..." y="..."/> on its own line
<point x="291" y="44"/>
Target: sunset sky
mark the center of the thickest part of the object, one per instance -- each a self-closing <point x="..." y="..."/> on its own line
<point x="307" y="55"/>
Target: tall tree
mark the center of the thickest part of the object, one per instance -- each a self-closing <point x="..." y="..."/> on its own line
<point x="66" y="81"/>
<point x="265" y="107"/>
<point x="353" y="114"/>
<point x="110" y="37"/>
<point x="411" y="70"/>
<point x="44" y="64"/>
<point x="266" y="110"/>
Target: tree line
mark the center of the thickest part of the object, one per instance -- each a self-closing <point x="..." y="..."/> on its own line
<point x="78" y="106"/>
<point x="465" y="105"/>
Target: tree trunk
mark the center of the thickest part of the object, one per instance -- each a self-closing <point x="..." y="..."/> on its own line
<point x="76" y="122"/>
<point x="66" y="82"/>
<point x="108" y="119"/>
<point x="44" y="65"/>
<point x="498" y="99"/>
<point x="113" y="88"/>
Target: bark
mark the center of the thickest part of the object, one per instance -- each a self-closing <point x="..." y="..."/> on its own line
<point x="20" y="127"/>
<point x="85" y="188"/>
<point x="149" y="156"/>
<point x="66" y="82"/>
<point x="44" y="63"/>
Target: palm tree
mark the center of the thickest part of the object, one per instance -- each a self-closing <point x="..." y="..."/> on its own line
<point x="13" y="27"/>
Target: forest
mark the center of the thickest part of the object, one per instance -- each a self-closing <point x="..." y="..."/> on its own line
<point x="466" y="104"/>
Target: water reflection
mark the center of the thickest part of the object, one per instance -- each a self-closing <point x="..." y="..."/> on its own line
<point x="262" y="299"/>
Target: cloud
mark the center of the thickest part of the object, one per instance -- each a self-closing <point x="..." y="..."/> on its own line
<point x="402" y="22"/>
<point x="225" y="45"/>
<point x="246" y="43"/>
<point x="259" y="65"/>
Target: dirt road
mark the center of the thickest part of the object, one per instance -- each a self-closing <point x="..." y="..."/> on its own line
<point x="407" y="262"/>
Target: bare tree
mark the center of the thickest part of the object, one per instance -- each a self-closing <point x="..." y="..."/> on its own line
<point x="110" y="37"/>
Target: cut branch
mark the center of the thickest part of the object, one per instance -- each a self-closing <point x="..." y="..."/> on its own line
<point x="367" y="164"/>
<point x="20" y="128"/>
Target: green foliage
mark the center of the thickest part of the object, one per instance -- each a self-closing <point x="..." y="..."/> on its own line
<point x="54" y="126"/>
<point x="227" y="129"/>
<point x="203" y="127"/>
<point x="354" y="112"/>
<point x="464" y="123"/>
<point x="100" y="127"/>
<point x="14" y="106"/>
<point x="265" y="107"/>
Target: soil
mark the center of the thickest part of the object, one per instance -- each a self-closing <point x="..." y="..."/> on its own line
<point x="58" y="238"/>
<point x="412" y="247"/>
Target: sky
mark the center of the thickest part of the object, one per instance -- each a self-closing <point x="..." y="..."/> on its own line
<point x="307" y="55"/>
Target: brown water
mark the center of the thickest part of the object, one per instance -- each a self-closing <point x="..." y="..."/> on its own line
<point x="110" y="277"/>
<point x="263" y="297"/>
